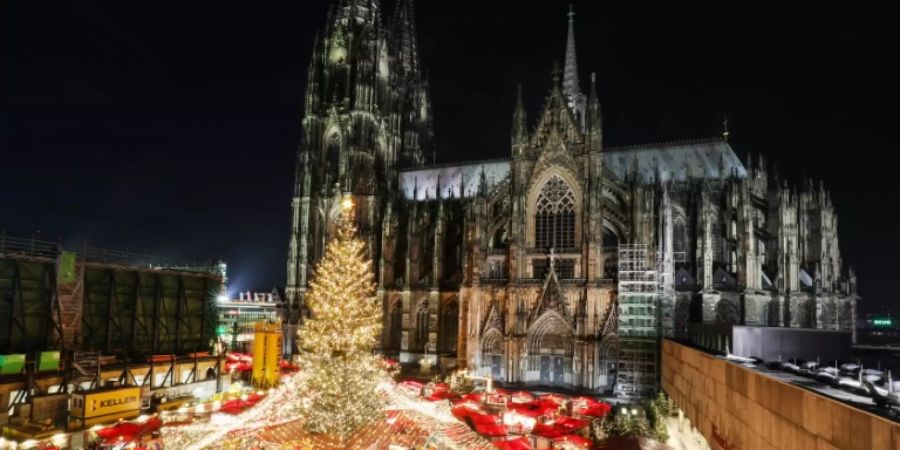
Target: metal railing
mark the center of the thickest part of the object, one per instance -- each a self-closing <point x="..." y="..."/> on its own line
<point x="14" y="245"/>
<point x="32" y="247"/>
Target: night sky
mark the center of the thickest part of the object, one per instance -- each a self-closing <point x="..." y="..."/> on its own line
<point x="173" y="128"/>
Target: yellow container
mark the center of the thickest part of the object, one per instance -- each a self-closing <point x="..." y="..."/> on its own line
<point x="267" y="341"/>
<point x="105" y="402"/>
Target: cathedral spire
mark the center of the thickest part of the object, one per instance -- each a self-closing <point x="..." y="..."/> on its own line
<point x="405" y="36"/>
<point x="570" y="86"/>
<point x="520" y="127"/>
<point x="570" y="77"/>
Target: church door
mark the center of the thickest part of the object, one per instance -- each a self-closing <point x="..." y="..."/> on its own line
<point x="546" y="370"/>
<point x="558" y="370"/>
<point x="496" y="361"/>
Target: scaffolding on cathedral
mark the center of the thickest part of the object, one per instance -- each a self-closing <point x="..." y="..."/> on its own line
<point x="638" y="298"/>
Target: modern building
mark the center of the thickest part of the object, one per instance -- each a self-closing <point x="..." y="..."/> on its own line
<point x="237" y="318"/>
<point x="511" y="267"/>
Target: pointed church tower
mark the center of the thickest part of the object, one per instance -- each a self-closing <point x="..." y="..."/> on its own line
<point x="571" y="84"/>
<point x="414" y="99"/>
<point x="519" y="136"/>
<point x="594" y="118"/>
<point x="367" y="113"/>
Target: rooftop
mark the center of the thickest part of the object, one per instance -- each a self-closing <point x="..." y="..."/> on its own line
<point x="844" y="394"/>
<point x="678" y="161"/>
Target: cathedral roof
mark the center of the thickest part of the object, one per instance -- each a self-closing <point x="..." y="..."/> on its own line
<point x="456" y="180"/>
<point x="674" y="161"/>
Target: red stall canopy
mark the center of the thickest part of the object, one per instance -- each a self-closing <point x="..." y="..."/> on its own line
<point x="573" y="440"/>
<point x="519" y="443"/>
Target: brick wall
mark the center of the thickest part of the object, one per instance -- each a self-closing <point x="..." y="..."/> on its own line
<point x="738" y="408"/>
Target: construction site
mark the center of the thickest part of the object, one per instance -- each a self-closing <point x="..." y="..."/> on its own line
<point x="90" y="336"/>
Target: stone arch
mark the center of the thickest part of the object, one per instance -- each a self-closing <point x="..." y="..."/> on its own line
<point x="492" y="353"/>
<point x="607" y="363"/>
<point x="554" y="215"/>
<point x="449" y="325"/>
<point x="551" y="333"/>
<point x="422" y="314"/>
<point x="395" y="324"/>
<point x="612" y="233"/>
<point x="727" y="311"/>
<point x="535" y="190"/>
<point x="615" y="217"/>
<point x="550" y="346"/>
<point x="499" y="234"/>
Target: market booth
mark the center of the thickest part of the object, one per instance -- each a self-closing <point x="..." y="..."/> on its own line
<point x="34" y="436"/>
<point x="140" y="434"/>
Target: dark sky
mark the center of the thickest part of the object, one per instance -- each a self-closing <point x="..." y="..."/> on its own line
<point x="172" y="128"/>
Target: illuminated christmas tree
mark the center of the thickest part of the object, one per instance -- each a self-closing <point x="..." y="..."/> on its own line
<point x="339" y="387"/>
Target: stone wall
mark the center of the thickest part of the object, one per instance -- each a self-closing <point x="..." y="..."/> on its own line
<point x="737" y="408"/>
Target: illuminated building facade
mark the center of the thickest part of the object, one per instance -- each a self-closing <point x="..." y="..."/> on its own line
<point x="510" y="266"/>
<point x="237" y="318"/>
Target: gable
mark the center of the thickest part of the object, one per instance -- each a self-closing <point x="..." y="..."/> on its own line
<point x="556" y="118"/>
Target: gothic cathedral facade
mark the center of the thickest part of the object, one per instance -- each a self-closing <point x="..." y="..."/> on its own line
<point x="509" y="266"/>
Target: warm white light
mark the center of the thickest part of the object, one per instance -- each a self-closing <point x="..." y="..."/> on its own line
<point x="59" y="439"/>
<point x="222" y="298"/>
<point x="347" y="203"/>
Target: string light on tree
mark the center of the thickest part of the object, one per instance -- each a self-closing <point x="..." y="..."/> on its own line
<point x="337" y="342"/>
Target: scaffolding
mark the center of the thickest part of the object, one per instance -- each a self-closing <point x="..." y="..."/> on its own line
<point x="639" y="293"/>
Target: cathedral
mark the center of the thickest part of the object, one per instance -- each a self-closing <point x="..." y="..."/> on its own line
<point x="517" y="267"/>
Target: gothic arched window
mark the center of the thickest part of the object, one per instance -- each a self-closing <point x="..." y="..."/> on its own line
<point x="422" y="324"/>
<point x="678" y="240"/>
<point x="554" y="218"/>
<point x="396" y="326"/>
<point x="333" y="155"/>
<point x="450" y="326"/>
